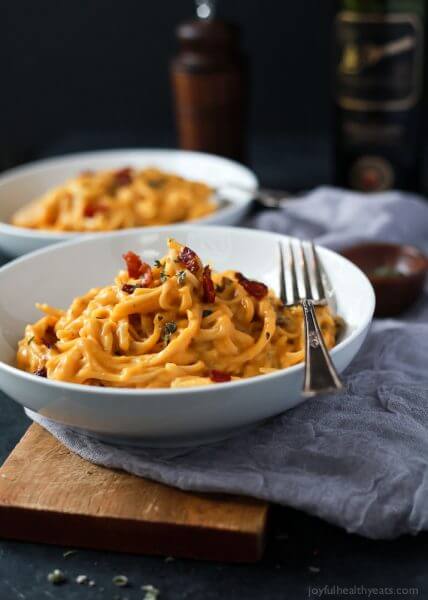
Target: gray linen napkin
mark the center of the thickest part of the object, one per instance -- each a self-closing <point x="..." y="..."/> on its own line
<point x="358" y="459"/>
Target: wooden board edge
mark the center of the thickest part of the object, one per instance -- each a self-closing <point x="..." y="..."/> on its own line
<point x="105" y="533"/>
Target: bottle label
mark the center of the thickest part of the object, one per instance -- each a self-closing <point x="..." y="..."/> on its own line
<point x="378" y="63"/>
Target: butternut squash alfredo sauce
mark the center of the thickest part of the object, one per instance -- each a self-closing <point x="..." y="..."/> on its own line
<point x="117" y="199"/>
<point x="173" y="324"/>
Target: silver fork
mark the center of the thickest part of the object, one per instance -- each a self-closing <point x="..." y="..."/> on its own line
<point x="301" y="282"/>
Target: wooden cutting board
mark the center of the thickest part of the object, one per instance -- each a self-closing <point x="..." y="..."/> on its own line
<point x="48" y="494"/>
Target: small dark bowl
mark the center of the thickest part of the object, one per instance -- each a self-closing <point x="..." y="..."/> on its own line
<point x="396" y="272"/>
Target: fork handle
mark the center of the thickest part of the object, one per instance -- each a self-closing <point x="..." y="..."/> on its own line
<point x="320" y="373"/>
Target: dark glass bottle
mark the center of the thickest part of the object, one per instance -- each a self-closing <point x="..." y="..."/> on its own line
<point x="378" y="93"/>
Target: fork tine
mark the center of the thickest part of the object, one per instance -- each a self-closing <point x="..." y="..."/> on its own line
<point x="291" y="277"/>
<point x="318" y="273"/>
<point x="282" y="290"/>
<point x="288" y="286"/>
<point x="300" y="273"/>
<point x="311" y="272"/>
<point x="306" y="273"/>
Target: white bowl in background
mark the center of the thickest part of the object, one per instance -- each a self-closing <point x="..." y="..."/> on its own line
<point x="159" y="417"/>
<point x="23" y="184"/>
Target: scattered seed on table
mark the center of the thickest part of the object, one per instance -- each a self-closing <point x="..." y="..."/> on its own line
<point x="56" y="577"/>
<point x="82" y="579"/>
<point x="120" y="580"/>
<point x="151" y="592"/>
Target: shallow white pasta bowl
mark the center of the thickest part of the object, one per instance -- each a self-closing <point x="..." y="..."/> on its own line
<point x="162" y="416"/>
<point x="21" y="185"/>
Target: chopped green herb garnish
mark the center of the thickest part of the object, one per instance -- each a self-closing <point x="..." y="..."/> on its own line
<point x="206" y="313"/>
<point x="158" y="264"/>
<point x="32" y="338"/>
<point x="386" y="271"/>
<point x="163" y="276"/>
<point x="284" y="321"/>
<point x="156" y="183"/>
<point x="181" y="277"/>
<point x="169" y="328"/>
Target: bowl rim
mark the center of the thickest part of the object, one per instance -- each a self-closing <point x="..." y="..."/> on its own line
<point x="40" y="165"/>
<point x="141" y="392"/>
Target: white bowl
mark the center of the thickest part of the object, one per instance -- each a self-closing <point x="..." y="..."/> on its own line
<point x="162" y="416"/>
<point x="21" y="185"/>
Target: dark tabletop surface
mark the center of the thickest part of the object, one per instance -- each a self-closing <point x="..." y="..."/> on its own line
<point x="305" y="557"/>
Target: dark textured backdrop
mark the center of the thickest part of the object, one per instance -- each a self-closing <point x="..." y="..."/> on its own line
<point x="79" y="66"/>
<point x="88" y="74"/>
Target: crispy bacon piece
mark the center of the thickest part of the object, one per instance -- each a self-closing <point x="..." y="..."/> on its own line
<point x="219" y="376"/>
<point x="123" y="177"/>
<point x="189" y="259"/>
<point x="146" y="276"/>
<point x="49" y="338"/>
<point x="255" y="288"/>
<point x="41" y="372"/>
<point x="91" y="210"/>
<point x="138" y="269"/>
<point x="207" y="286"/>
<point x="133" y="263"/>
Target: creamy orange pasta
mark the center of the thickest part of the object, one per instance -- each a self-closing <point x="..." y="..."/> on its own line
<point x="173" y="324"/>
<point x="119" y="199"/>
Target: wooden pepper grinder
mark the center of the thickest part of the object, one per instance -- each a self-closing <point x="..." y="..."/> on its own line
<point x="209" y="85"/>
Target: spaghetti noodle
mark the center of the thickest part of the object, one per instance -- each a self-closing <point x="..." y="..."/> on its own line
<point x="110" y="200"/>
<point x="173" y="324"/>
